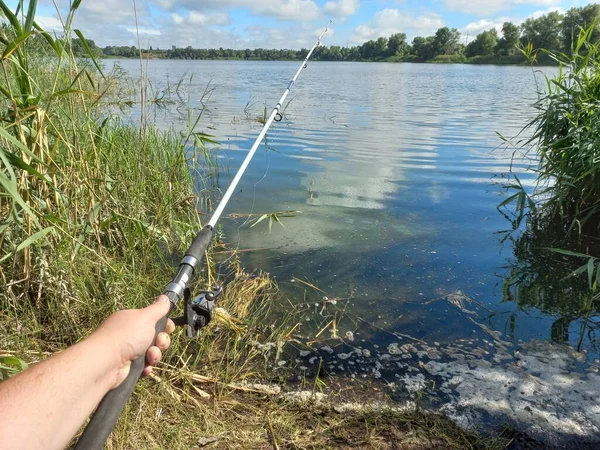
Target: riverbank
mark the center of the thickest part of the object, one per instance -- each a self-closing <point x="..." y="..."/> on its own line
<point x="516" y="60"/>
<point x="96" y="214"/>
<point x="118" y="210"/>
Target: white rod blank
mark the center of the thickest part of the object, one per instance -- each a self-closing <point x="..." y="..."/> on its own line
<point x="238" y="176"/>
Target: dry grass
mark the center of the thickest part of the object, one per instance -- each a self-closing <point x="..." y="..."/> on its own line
<point x="246" y="420"/>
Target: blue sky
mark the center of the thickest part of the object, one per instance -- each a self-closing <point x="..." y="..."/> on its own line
<point x="285" y="23"/>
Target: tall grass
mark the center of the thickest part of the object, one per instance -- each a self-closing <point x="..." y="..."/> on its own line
<point x="565" y="136"/>
<point x="552" y="269"/>
<point x="95" y="211"/>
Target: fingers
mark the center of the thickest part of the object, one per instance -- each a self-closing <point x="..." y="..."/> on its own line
<point x="153" y="355"/>
<point x="159" y="309"/>
<point x="163" y="340"/>
<point x="170" y="327"/>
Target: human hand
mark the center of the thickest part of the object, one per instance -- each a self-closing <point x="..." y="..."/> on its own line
<point x="130" y="334"/>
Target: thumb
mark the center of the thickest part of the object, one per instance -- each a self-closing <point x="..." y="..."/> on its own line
<point x="159" y="309"/>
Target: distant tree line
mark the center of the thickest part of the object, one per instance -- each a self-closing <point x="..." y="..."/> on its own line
<point x="552" y="31"/>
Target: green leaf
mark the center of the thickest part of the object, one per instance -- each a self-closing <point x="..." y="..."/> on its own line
<point x="30" y="15"/>
<point x="14" y="22"/>
<point x="205" y="138"/>
<point x="259" y="220"/>
<point x="52" y="218"/>
<point x="10" y="48"/>
<point x="590" y="271"/>
<point x="579" y="271"/>
<point x="566" y="252"/>
<point x="10" y="187"/>
<point x="10" y="365"/>
<point x="276" y="219"/>
<point x="89" y="51"/>
<point x="73" y="91"/>
<point x="89" y="78"/>
<point x="56" y="45"/>
<point x="94" y="213"/>
<point x="19" y="163"/>
<point x="29" y="241"/>
<point x="508" y="200"/>
<point x="19" y="145"/>
<point x="14" y="361"/>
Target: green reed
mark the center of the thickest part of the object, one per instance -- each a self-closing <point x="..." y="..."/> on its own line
<point x="552" y="268"/>
<point x="565" y="134"/>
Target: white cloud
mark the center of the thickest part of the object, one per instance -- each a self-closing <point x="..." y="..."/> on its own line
<point x="178" y="19"/>
<point x="143" y="31"/>
<point x="471" y="30"/>
<point x="302" y="10"/>
<point x="111" y="10"/>
<point x="540" y="13"/>
<point x="390" y="21"/>
<point x="197" y="18"/>
<point x="341" y="8"/>
<point x="293" y="10"/>
<point x="486" y="7"/>
<point x="49" y="23"/>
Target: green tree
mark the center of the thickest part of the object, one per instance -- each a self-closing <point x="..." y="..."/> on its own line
<point x="544" y="32"/>
<point x="80" y="50"/>
<point x="367" y="50"/>
<point x="381" y="47"/>
<point x="511" y="34"/>
<point x="397" y="45"/>
<point x="580" y="17"/>
<point x="445" y="41"/>
<point x="422" y="48"/>
<point x="483" y="45"/>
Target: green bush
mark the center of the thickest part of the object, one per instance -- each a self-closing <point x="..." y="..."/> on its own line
<point x="493" y="59"/>
<point x="449" y="59"/>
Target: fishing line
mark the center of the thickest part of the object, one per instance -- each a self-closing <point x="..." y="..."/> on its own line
<point x="249" y="217"/>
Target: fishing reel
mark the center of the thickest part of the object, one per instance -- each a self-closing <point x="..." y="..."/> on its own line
<point x="198" y="312"/>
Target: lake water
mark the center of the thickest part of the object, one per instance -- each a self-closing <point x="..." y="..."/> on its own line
<point x="395" y="171"/>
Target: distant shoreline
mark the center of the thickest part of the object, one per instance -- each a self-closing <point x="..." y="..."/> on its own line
<point x="473" y="61"/>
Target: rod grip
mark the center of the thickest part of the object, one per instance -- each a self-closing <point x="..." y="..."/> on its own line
<point x="201" y="243"/>
<point x="104" y="419"/>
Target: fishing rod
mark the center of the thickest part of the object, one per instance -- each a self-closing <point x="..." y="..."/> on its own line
<point x="197" y="312"/>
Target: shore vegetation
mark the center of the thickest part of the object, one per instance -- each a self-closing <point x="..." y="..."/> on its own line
<point x="95" y="213"/>
<point x="557" y="264"/>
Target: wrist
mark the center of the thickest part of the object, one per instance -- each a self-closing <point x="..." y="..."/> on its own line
<point x="105" y="352"/>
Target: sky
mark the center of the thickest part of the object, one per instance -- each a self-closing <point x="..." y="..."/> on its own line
<point x="284" y="23"/>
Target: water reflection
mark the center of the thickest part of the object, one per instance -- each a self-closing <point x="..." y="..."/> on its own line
<point x="542" y="280"/>
<point x="392" y="169"/>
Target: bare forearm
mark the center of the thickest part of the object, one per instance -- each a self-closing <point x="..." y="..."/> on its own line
<point x="43" y="407"/>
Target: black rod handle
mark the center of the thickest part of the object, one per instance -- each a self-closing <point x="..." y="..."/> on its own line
<point x="104" y="419"/>
<point x="110" y="408"/>
<point x="200" y="243"/>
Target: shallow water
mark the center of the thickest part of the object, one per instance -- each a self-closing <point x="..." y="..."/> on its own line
<point x="395" y="171"/>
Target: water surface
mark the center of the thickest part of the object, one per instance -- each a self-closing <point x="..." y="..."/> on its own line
<point x="395" y="172"/>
